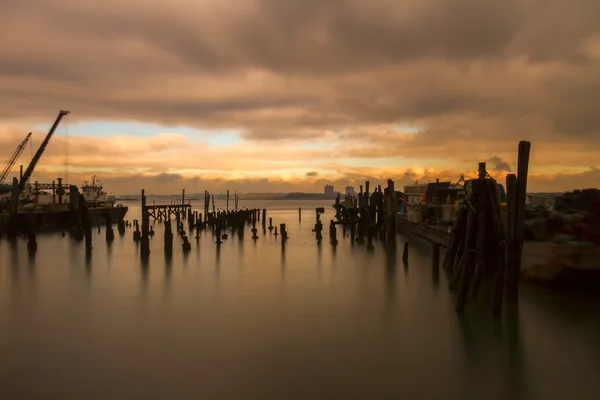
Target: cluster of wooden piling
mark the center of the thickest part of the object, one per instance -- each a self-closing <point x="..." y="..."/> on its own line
<point x="485" y="241"/>
<point x="368" y="216"/>
<point x="221" y="223"/>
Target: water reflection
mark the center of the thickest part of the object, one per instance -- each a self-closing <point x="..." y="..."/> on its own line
<point x="356" y="322"/>
<point x="390" y="265"/>
<point x="88" y="262"/>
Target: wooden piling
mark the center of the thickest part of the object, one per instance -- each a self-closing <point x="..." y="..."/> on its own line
<point x="435" y="258"/>
<point x="519" y="227"/>
<point x="109" y="234"/>
<point x="168" y="240"/>
<point x="145" y="237"/>
<point x="511" y="281"/>
<point x="333" y="233"/>
<point x="284" y="236"/>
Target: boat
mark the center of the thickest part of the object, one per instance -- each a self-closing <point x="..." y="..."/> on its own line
<point x="48" y="206"/>
<point x="127" y="198"/>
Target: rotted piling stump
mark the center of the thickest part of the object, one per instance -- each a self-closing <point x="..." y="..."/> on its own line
<point x="271" y="225"/>
<point x="405" y="253"/>
<point x="32" y="242"/>
<point x="168" y="240"/>
<point x="145" y="237"/>
<point x="137" y="235"/>
<point x="370" y="235"/>
<point x="121" y="227"/>
<point x="218" y="233"/>
<point x="254" y="230"/>
<point x="88" y="237"/>
<point x="333" y="233"/>
<point x="186" y="245"/>
<point x="284" y="234"/>
<point x="109" y="234"/>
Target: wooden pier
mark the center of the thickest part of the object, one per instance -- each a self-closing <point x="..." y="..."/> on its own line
<point x="179" y="208"/>
<point x="164" y="212"/>
<point x="435" y="234"/>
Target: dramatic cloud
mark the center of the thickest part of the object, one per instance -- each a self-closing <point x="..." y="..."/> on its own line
<point x="499" y="164"/>
<point x="344" y="89"/>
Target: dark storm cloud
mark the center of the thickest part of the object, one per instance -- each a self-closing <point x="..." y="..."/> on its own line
<point x="476" y="76"/>
<point x="499" y="164"/>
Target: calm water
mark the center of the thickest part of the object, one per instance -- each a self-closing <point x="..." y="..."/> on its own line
<point x="253" y="322"/>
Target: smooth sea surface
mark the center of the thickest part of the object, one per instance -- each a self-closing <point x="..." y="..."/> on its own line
<point x="254" y="321"/>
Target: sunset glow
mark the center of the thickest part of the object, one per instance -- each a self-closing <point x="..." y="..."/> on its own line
<point x="289" y="96"/>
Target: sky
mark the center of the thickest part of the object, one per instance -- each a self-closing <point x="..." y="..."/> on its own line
<point x="290" y="95"/>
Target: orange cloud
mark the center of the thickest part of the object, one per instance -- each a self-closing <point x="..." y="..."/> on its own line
<point x="309" y="84"/>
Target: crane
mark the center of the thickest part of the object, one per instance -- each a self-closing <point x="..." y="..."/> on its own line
<point x="13" y="159"/>
<point x="40" y="151"/>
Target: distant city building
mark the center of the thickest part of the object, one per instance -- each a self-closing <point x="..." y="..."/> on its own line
<point x="350" y="191"/>
<point x="546" y="200"/>
<point x="413" y="193"/>
<point x="329" y="191"/>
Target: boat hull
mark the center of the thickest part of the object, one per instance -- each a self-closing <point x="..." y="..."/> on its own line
<point x="50" y="220"/>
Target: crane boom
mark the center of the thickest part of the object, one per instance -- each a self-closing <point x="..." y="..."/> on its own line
<point x="13" y="159"/>
<point x="40" y="151"/>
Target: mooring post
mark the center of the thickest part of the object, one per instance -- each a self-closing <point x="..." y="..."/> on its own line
<point x="145" y="237"/>
<point x="168" y="240"/>
<point x="271" y="224"/>
<point x="284" y="236"/>
<point x="183" y="204"/>
<point x="435" y="259"/>
<point x="299" y="213"/>
<point x="88" y="237"/>
<point x="110" y="234"/>
<point x="405" y="252"/>
<point x="254" y="230"/>
<point x="32" y="241"/>
<point x="218" y="233"/>
<point x="121" y="227"/>
<point x="333" y="233"/>
<point x="186" y="245"/>
<point x="519" y="228"/>
<point x="370" y="234"/>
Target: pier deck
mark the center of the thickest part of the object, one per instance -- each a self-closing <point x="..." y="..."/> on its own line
<point x="164" y="211"/>
<point x="432" y="233"/>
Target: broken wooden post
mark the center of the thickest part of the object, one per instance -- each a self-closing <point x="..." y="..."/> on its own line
<point x="145" y="237"/>
<point x="520" y="188"/>
<point x="333" y="233"/>
<point x="435" y="259"/>
<point x="186" y="245"/>
<point x="284" y="236"/>
<point x="110" y="234"/>
<point x="168" y="240"/>
<point x="121" y="227"/>
<point x="254" y="230"/>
